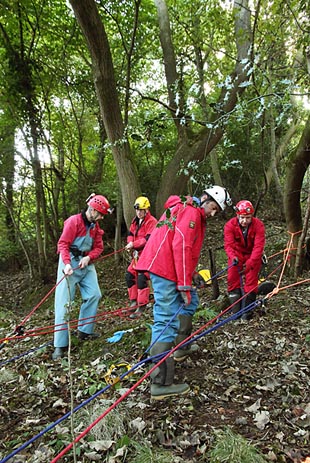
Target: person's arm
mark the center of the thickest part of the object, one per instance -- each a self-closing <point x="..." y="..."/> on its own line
<point x="186" y="229"/>
<point x="98" y="246"/>
<point x="230" y="245"/>
<point x="259" y="242"/>
<point x="147" y="229"/>
<point x="66" y="239"/>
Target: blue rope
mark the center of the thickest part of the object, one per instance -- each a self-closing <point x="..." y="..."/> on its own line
<point x="34" y="349"/>
<point x="152" y="359"/>
<point x="222" y="322"/>
<point x="137" y="365"/>
<point x="52" y="425"/>
<point x="180" y="308"/>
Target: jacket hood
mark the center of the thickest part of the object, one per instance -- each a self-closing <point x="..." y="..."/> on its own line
<point x="172" y="201"/>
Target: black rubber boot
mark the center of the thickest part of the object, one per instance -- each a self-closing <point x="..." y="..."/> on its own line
<point x="234" y="296"/>
<point x="87" y="336"/>
<point x="138" y="312"/>
<point x="162" y="377"/>
<point x="184" y="331"/>
<point x="250" y="298"/>
<point x="59" y="353"/>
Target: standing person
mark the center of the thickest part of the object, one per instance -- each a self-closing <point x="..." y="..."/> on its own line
<point x="79" y="244"/>
<point x="244" y="241"/>
<point x="171" y="256"/>
<point x="139" y="232"/>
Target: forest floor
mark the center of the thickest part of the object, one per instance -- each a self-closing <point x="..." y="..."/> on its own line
<point x="251" y="377"/>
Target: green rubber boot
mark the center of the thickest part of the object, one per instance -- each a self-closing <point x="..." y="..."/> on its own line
<point x="162" y="377"/>
<point x="185" y="329"/>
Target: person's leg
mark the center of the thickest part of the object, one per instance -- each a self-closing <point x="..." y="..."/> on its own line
<point x="64" y="294"/>
<point x="162" y="377"/>
<point x="143" y="289"/>
<point x="185" y="321"/>
<point x="235" y="300"/>
<point x="91" y="295"/>
<point x="164" y="331"/>
<point x="233" y="277"/>
<point x="143" y="293"/>
<point x="167" y="302"/>
<point x="131" y="281"/>
<point x="234" y="287"/>
<point x="250" y="289"/>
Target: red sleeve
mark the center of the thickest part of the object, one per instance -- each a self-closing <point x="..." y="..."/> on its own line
<point x="259" y="242"/>
<point x="67" y="237"/>
<point x="98" y="246"/>
<point x="148" y="227"/>
<point x="187" y="227"/>
<point x="229" y="241"/>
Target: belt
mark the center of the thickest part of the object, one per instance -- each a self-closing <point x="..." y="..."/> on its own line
<point x="77" y="252"/>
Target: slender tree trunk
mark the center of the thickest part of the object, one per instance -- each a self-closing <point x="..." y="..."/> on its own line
<point x="300" y="249"/>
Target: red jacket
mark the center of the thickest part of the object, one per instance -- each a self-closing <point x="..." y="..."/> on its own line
<point x="235" y="245"/>
<point x="74" y="230"/>
<point x="139" y="235"/>
<point x="173" y="250"/>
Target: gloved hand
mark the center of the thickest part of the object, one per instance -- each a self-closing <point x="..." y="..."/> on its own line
<point x="68" y="270"/>
<point x="235" y="260"/>
<point x="84" y="262"/>
<point x="198" y="281"/>
<point x="186" y="296"/>
<point x="129" y="246"/>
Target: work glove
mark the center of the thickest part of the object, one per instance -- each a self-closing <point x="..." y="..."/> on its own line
<point x="68" y="270"/>
<point x="235" y="261"/>
<point x="117" y="336"/>
<point x="186" y="296"/>
<point x="129" y="246"/>
<point x="198" y="281"/>
<point x="84" y="262"/>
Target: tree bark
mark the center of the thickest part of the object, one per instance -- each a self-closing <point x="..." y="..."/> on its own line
<point x="198" y="147"/>
<point x="294" y="180"/>
<point x="88" y="17"/>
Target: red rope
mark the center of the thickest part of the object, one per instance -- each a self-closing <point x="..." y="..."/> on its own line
<point x="55" y="286"/>
<point x="123" y="312"/>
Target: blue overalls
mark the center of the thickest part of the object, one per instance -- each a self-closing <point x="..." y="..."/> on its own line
<point x="87" y="281"/>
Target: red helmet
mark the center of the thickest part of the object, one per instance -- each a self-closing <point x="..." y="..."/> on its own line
<point x="99" y="203"/>
<point x="244" y="207"/>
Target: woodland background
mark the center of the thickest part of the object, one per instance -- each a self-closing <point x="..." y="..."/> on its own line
<point x="148" y="97"/>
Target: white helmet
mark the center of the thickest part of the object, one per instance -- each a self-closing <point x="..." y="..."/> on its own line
<point x="220" y="195"/>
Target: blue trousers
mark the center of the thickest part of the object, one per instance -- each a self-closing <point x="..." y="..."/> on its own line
<point x="168" y="301"/>
<point x="87" y="281"/>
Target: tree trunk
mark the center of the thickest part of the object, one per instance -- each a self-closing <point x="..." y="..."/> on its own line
<point x="300" y="253"/>
<point x="190" y="147"/>
<point x="87" y="15"/>
<point x="294" y="180"/>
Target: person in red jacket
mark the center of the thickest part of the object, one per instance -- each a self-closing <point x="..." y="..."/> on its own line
<point x="244" y="241"/>
<point x="139" y="232"/>
<point x="79" y="244"/>
<point x="171" y="256"/>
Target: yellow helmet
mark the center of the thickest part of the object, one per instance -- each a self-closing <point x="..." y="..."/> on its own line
<point x="142" y="203"/>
